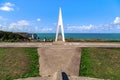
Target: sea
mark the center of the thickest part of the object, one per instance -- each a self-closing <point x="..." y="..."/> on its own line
<point x="96" y="36"/>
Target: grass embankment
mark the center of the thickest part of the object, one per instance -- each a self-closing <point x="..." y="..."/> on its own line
<point x="13" y="37"/>
<point x="101" y="63"/>
<point x="18" y="63"/>
<point x="90" y="40"/>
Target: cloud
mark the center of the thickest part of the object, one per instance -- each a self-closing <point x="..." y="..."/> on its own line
<point x="24" y="26"/>
<point x="117" y="20"/>
<point x="38" y="19"/>
<point x="30" y="26"/>
<point x="94" y="28"/>
<point x="7" y="7"/>
<point x="46" y="29"/>
<point x="21" y="25"/>
<point x="2" y="18"/>
<point x="80" y="28"/>
<point x="39" y="29"/>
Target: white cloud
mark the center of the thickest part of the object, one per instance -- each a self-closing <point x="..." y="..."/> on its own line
<point x="94" y="28"/>
<point x="104" y="28"/>
<point x="80" y="28"/>
<point x="30" y="26"/>
<point x="117" y="20"/>
<point x="7" y="7"/>
<point x="24" y="26"/>
<point x="41" y="29"/>
<point x="3" y="27"/>
<point x="46" y="29"/>
<point x="36" y="28"/>
<point x="19" y="26"/>
<point x="38" y="19"/>
<point x="8" y="4"/>
<point x="20" y="23"/>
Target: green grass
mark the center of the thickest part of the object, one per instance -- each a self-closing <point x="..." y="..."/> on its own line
<point x="90" y="40"/>
<point x="18" y="63"/>
<point x="100" y="63"/>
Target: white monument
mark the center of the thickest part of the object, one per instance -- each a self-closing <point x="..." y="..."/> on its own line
<point x="60" y="30"/>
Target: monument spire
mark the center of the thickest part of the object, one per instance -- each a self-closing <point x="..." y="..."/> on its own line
<point x="60" y="27"/>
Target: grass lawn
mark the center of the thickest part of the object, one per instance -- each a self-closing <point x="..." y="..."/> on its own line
<point x="18" y="63"/>
<point x="101" y="63"/>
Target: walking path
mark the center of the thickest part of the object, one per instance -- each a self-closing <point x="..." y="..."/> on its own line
<point x="59" y="58"/>
<point x="74" y="44"/>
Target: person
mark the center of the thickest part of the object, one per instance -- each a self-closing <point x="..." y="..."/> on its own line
<point x="44" y="39"/>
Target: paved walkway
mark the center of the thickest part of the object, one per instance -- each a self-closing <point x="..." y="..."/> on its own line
<point x="74" y="44"/>
<point x="59" y="58"/>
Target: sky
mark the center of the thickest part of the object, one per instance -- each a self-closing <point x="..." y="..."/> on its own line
<point x="79" y="16"/>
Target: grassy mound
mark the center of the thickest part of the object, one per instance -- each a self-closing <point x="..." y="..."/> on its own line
<point x="18" y="63"/>
<point x="12" y="37"/>
<point x="101" y="63"/>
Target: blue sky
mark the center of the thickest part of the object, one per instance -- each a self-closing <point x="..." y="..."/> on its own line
<point x="79" y="16"/>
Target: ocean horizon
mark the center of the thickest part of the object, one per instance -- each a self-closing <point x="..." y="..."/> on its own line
<point x="99" y="36"/>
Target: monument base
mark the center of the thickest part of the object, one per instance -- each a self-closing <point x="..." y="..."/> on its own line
<point x="58" y="43"/>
